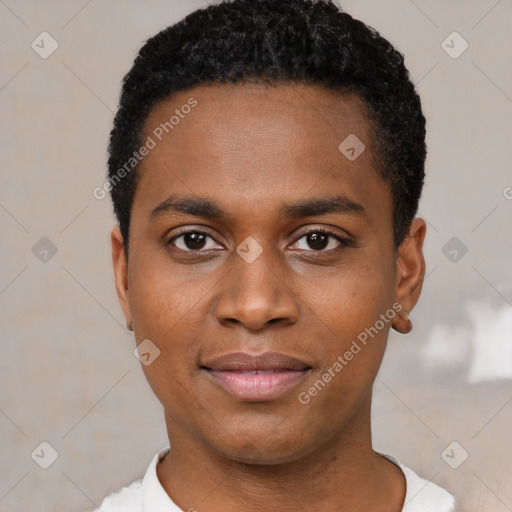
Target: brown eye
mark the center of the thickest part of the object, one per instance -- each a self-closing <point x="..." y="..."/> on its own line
<point x="319" y="240"/>
<point x="191" y="241"/>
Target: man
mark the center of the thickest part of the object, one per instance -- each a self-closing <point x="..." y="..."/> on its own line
<point x="266" y="164"/>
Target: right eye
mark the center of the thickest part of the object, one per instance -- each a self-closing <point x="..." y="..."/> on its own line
<point x="193" y="241"/>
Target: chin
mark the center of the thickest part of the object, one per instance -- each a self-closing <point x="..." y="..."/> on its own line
<point x="253" y="448"/>
<point x="253" y="456"/>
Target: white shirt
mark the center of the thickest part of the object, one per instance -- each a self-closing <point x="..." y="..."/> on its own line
<point x="148" y="495"/>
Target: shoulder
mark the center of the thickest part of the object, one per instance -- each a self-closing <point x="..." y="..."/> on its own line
<point x="130" y="498"/>
<point x="127" y="499"/>
<point x="423" y="495"/>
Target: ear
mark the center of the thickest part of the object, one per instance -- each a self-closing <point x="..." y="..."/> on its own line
<point x="410" y="272"/>
<point x="120" y="272"/>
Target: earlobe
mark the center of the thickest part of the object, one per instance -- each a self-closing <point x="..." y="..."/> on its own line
<point x="410" y="272"/>
<point x="120" y="272"/>
<point x="402" y="323"/>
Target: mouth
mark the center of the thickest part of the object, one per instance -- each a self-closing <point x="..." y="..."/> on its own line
<point x="256" y="378"/>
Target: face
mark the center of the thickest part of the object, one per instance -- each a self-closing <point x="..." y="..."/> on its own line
<point x="260" y="256"/>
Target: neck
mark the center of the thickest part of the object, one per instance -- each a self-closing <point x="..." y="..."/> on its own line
<point x="342" y="474"/>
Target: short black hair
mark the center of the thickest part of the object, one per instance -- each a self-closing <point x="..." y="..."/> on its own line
<point x="310" y="42"/>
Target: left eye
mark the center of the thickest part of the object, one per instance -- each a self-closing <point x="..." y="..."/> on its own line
<point x="321" y="240"/>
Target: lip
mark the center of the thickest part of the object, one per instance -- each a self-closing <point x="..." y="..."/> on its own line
<point x="256" y="378"/>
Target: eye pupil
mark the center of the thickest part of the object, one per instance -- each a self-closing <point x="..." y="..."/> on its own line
<point x="318" y="240"/>
<point x="194" y="240"/>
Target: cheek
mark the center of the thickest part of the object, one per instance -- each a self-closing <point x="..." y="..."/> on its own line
<point x="350" y="300"/>
<point x="168" y="309"/>
<point x="348" y="312"/>
<point x="350" y="361"/>
<point x="164" y="300"/>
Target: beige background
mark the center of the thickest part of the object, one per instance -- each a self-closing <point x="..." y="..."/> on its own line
<point x="68" y="374"/>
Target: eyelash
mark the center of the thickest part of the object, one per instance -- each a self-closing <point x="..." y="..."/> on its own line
<point x="343" y="241"/>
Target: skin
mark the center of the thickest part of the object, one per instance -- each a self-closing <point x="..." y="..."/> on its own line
<point x="252" y="148"/>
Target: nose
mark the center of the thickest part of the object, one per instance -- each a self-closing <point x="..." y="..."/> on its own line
<point x="256" y="294"/>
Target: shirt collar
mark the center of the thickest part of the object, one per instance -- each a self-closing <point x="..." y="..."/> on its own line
<point x="154" y="497"/>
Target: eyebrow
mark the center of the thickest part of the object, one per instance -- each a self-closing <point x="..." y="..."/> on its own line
<point x="201" y="207"/>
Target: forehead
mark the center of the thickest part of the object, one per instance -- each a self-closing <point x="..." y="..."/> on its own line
<point x="245" y="143"/>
